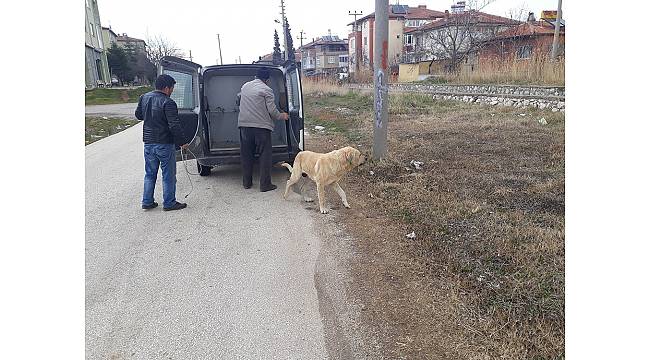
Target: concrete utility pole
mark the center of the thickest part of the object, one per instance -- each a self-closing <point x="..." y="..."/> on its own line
<point x="220" y="58"/>
<point x="556" y="35"/>
<point x="380" y="59"/>
<point x="354" y="31"/>
<point x="284" y="31"/>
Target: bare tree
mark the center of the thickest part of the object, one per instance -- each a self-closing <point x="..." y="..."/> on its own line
<point x="519" y="13"/>
<point x="158" y="47"/>
<point x="460" y="34"/>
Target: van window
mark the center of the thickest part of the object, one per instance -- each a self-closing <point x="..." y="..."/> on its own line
<point x="183" y="93"/>
<point x="294" y="100"/>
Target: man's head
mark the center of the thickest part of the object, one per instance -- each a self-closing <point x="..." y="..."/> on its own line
<point x="263" y="74"/>
<point x="165" y="83"/>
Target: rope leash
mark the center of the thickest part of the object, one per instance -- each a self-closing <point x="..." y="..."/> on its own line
<point x="187" y="170"/>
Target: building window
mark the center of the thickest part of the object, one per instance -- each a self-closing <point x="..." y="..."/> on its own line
<point x="317" y="61"/>
<point x="331" y="60"/>
<point x="365" y="40"/>
<point x="525" y="52"/>
<point x="343" y="59"/>
<point x="98" y="65"/>
<point x="408" y="39"/>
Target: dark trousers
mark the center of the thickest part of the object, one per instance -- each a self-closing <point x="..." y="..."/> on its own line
<point x="256" y="141"/>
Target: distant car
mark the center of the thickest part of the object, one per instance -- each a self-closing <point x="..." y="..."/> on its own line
<point x="208" y="107"/>
<point x="115" y="81"/>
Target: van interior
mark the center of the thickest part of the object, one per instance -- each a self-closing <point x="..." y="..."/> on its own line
<point x="221" y="88"/>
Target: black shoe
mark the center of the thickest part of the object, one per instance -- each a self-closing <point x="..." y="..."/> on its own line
<point x="147" y="207"/>
<point x="176" y="206"/>
<point x="246" y="186"/>
<point x="268" y="188"/>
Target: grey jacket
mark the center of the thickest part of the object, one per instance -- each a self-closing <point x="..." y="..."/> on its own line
<point x="257" y="106"/>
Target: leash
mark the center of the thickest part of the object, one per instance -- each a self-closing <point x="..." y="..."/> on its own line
<point x="187" y="170"/>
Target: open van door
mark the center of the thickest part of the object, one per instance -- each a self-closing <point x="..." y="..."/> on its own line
<point x="296" y="111"/>
<point x="187" y="97"/>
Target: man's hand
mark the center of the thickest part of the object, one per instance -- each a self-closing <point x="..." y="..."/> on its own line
<point x="284" y="116"/>
<point x="185" y="146"/>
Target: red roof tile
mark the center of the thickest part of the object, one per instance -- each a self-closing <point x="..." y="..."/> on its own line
<point x="529" y="29"/>
<point x="477" y="16"/>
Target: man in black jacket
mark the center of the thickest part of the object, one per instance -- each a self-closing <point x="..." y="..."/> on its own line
<point x="162" y="131"/>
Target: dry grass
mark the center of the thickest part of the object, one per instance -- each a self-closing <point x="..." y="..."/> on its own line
<point x="484" y="278"/>
<point x="538" y="70"/>
<point x="322" y="87"/>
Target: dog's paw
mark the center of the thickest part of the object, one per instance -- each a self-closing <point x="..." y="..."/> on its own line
<point x="324" y="211"/>
<point x="308" y="199"/>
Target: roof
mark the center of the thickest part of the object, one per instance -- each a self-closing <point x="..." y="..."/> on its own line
<point x="109" y="30"/>
<point x="407" y="12"/>
<point x="535" y="28"/>
<point x="326" y="40"/>
<point x="269" y="57"/>
<point x="476" y="16"/>
<point x="127" y="38"/>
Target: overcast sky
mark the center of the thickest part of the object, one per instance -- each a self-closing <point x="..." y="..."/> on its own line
<point x="246" y="27"/>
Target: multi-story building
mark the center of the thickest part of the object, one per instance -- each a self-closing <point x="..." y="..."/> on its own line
<point x="126" y="42"/>
<point x="109" y="36"/>
<point x="449" y="44"/>
<point x="97" y="73"/>
<point x="324" y="56"/>
<point x="400" y="19"/>
<point x="530" y="40"/>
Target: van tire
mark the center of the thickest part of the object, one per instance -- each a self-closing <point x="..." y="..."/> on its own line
<point x="203" y="170"/>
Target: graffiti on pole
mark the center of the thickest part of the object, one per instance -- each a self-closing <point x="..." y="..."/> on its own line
<point x="380" y="95"/>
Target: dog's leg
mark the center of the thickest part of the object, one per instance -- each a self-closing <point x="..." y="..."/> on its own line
<point x="292" y="180"/>
<point x="321" y="198"/>
<point x="302" y="191"/>
<point x="341" y="193"/>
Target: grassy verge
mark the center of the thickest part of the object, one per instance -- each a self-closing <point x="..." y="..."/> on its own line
<point x="103" y="96"/>
<point x="100" y="127"/>
<point x="484" y="277"/>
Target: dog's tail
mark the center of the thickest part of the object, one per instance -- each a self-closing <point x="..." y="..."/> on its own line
<point x="288" y="166"/>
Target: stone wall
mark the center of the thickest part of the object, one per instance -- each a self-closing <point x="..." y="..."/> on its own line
<point x="543" y="97"/>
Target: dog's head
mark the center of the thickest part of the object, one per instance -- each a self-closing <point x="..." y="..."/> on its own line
<point x="353" y="156"/>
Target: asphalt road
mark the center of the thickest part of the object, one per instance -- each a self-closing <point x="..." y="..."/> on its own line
<point x="229" y="277"/>
<point x="121" y="110"/>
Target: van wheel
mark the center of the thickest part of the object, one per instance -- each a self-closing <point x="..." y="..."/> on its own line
<point x="203" y="170"/>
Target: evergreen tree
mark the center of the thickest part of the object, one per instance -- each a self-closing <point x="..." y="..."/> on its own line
<point x="277" y="55"/>
<point x="119" y="64"/>
<point x="291" y="52"/>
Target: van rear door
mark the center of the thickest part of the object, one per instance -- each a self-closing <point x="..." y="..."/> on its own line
<point x="296" y="111"/>
<point x="187" y="97"/>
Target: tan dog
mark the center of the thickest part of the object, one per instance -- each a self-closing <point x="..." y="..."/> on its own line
<point x="324" y="169"/>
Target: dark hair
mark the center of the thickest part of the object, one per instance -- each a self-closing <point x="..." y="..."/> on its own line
<point x="164" y="81"/>
<point x="263" y="74"/>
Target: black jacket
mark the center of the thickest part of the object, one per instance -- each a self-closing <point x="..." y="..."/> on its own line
<point x="161" y="122"/>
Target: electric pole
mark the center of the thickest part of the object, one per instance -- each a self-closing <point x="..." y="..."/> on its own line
<point x="556" y="34"/>
<point x="190" y="55"/>
<point x="354" y="32"/>
<point x="284" y="31"/>
<point x="220" y="58"/>
<point x="380" y="62"/>
<point x="302" y="38"/>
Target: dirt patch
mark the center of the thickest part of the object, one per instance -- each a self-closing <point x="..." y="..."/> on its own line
<point x="484" y="276"/>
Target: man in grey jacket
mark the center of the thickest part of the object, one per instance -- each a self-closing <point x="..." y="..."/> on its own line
<point x="257" y="111"/>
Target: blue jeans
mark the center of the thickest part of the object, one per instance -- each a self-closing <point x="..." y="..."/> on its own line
<point x="163" y="155"/>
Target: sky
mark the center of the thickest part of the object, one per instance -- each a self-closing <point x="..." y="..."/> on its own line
<point x="246" y="27"/>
